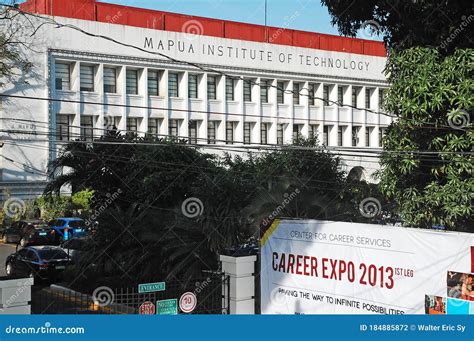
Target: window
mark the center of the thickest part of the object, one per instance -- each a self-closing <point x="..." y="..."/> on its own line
<point x="132" y="125"/>
<point x="326" y="135"/>
<point x="312" y="94"/>
<point x="63" y="123"/>
<point x="340" y="95"/>
<point x="264" y="91"/>
<point x="247" y="90"/>
<point x="153" y="83"/>
<point x="211" y="87"/>
<point x="173" y="90"/>
<point x="280" y="134"/>
<point x="193" y="86"/>
<point x="229" y="133"/>
<point x="368" y="131"/>
<point x="296" y="93"/>
<point x="154" y="126"/>
<point x="382" y="132"/>
<point x="368" y="92"/>
<point x="173" y="129"/>
<point x="229" y="89"/>
<point x="355" y="136"/>
<point x="280" y="92"/>
<point x="193" y="132"/>
<point x="63" y="76"/>
<point x="87" y="78"/>
<point x="132" y="82"/>
<point x="264" y="133"/>
<point x="313" y="130"/>
<point x="355" y="92"/>
<point x="339" y="135"/>
<point x="296" y="132"/>
<point x="326" y="94"/>
<point x="247" y="132"/>
<point x="87" y="128"/>
<point x="111" y="122"/>
<point x="381" y="93"/>
<point x="110" y="80"/>
<point x="211" y="132"/>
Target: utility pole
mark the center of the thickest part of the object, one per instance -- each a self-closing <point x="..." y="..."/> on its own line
<point x="265" y="12"/>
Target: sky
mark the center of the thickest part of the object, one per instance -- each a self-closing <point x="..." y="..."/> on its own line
<point x="307" y="15"/>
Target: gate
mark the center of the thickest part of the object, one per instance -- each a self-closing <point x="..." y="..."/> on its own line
<point x="212" y="294"/>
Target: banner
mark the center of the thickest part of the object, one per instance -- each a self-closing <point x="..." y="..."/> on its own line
<point x="322" y="267"/>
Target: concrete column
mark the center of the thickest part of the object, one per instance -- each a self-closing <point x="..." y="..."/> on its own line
<point x="15" y="296"/>
<point x="242" y="283"/>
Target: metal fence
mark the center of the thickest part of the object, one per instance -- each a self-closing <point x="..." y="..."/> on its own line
<point x="212" y="294"/>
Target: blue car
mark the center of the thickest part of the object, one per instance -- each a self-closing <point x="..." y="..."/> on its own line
<point x="65" y="228"/>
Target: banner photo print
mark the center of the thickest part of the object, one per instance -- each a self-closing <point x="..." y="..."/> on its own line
<point x="322" y="267"/>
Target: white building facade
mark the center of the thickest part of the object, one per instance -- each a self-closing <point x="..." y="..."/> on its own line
<point x="244" y="93"/>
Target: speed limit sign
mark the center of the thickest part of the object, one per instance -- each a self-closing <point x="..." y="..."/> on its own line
<point x="187" y="302"/>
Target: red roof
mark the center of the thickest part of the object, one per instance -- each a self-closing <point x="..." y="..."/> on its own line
<point x="146" y="18"/>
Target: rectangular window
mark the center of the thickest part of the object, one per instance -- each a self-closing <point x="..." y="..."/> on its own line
<point x="296" y="132"/>
<point x="247" y="90"/>
<point x="312" y="94"/>
<point x="173" y="85"/>
<point x="381" y="93"/>
<point x="173" y="128"/>
<point x="63" y="76"/>
<point x="111" y="122"/>
<point x="193" y="132"/>
<point x="87" y="78"/>
<point x="229" y="89"/>
<point x="154" y="126"/>
<point x="355" y="92"/>
<point x="153" y="83"/>
<point x="211" y="87"/>
<point x="326" y="135"/>
<point x="340" y="95"/>
<point x="280" y="134"/>
<point x="296" y="93"/>
<point x="280" y="92"/>
<point x="355" y="136"/>
<point x="211" y="132"/>
<point x="247" y="133"/>
<point x="132" y="125"/>
<point x="264" y="133"/>
<point x="313" y="130"/>
<point x="193" y="86"/>
<point x="63" y="127"/>
<point x="382" y="132"/>
<point x="368" y="131"/>
<point x="132" y="82"/>
<point x="87" y="128"/>
<point x="326" y="94"/>
<point x="340" y="131"/>
<point x="110" y="80"/>
<point x="229" y="133"/>
<point x="368" y="92"/>
<point x="264" y="91"/>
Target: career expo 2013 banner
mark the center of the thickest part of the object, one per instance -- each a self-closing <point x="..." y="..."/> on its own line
<point x="322" y="267"/>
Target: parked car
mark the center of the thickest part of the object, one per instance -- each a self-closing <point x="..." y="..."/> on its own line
<point x="28" y="232"/>
<point x="76" y="247"/>
<point x="66" y="228"/>
<point x="42" y="262"/>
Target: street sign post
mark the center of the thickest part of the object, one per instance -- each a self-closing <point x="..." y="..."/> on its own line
<point x="147" y="308"/>
<point x="151" y="287"/>
<point x="167" y="307"/>
<point x="187" y="302"/>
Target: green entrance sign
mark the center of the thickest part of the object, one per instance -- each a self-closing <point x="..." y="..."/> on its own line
<point x="151" y="287"/>
<point x="167" y="307"/>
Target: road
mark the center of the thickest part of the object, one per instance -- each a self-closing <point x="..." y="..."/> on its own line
<point x="5" y="250"/>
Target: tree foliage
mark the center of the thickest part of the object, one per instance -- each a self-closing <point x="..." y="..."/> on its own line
<point x="431" y="95"/>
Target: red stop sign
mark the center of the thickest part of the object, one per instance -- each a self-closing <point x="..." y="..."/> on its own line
<point x="146" y="308"/>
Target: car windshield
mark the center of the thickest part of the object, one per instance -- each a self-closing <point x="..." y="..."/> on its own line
<point x="52" y="254"/>
<point x="76" y="224"/>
